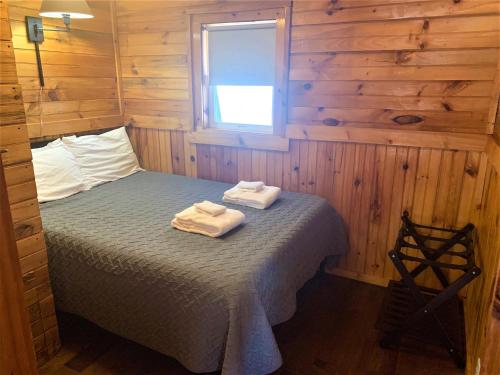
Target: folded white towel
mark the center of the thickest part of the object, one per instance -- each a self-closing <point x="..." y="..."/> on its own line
<point x="251" y="185"/>
<point x="209" y="208"/>
<point x="194" y="221"/>
<point x="260" y="199"/>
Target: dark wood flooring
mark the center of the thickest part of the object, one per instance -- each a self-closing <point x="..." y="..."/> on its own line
<point x="332" y="333"/>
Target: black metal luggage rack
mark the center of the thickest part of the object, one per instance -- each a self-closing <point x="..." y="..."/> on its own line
<point x="429" y="315"/>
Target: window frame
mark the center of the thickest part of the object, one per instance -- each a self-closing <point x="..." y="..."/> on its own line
<point x="200" y="80"/>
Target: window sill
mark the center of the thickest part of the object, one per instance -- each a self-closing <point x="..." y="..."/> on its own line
<point x="258" y="141"/>
<point x="253" y="129"/>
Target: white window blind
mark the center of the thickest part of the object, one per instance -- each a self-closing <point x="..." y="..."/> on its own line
<point x="241" y="54"/>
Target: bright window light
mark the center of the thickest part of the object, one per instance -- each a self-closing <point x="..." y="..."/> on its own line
<point x="245" y="105"/>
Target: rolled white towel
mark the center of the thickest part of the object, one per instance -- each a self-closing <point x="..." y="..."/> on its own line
<point x="210" y="208"/>
<point x="251" y="185"/>
<point x="192" y="220"/>
<point x="261" y="199"/>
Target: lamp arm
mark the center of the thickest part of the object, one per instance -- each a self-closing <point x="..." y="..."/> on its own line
<point x="38" y="29"/>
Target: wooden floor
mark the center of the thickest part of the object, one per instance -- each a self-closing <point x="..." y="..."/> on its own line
<point x="331" y="334"/>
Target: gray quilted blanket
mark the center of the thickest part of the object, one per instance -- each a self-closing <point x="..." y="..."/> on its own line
<point x="208" y="302"/>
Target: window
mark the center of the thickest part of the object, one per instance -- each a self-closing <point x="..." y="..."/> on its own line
<point x="240" y="62"/>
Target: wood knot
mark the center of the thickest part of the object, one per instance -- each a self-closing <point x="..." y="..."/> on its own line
<point x="308" y="86"/>
<point x="52" y="94"/>
<point x="331" y="121"/>
<point x="28" y="277"/>
<point x="405" y="166"/>
<point x="447" y="106"/>
<point x="357" y="182"/>
<point x="192" y="158"/>
<point x="296" y="168"/>
<point x="425" y="26"/>
<point x="407" y="119"/>
<point x="24" y="229"/>
<point x="422" y="45"/>
<point x="471" y="171"/>
<point x="402" y="57"/>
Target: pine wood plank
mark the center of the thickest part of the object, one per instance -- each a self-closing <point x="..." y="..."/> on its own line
<point x="440" y="8"/>
<point x="422" y="89"/>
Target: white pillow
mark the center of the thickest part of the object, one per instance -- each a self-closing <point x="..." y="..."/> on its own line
<point x="105" y="157"/>
<point x="57" y="174"/>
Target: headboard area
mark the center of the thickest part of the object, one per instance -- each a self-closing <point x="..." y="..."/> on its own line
<point x="37" y="142"/>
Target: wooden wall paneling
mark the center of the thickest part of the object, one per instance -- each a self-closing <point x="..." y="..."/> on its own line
<point x="337" y="50"/>
<point x="435" y="81"/>
<point x="453" y="141"/>
<point x="482" y="320"/>
<point x="21" y="195"/>
<point x="82" y="89"/>
<point x="17" y="353"/>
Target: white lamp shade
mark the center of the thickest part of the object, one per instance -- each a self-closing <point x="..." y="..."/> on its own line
<point x="72" y="8"/>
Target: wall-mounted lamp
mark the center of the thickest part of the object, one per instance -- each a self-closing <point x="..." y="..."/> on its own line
<point x="76" y="9"/>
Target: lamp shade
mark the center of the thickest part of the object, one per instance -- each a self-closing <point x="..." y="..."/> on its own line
<point x="69" y="8"/>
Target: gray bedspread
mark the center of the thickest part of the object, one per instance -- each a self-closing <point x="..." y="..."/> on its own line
<point x="208" y="302"/>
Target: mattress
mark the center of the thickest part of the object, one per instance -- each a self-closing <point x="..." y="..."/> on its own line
<point x="210" y="303"/>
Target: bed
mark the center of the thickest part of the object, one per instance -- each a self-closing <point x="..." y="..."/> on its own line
<point x="210" y="303"/>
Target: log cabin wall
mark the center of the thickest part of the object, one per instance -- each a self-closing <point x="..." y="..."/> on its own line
<point x="81" y="90"/>
<point x="388" y="110"/>
<point x="21" y="191"/>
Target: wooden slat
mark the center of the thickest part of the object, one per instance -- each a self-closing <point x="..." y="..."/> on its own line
<point x="403" y="27"/>
<point x="384" y="137"/>
<point x="392" y="88"/>
<point x="11" y="134"/>
<point x="485" y="39"/>
<point x="441" y="8"/>
<point x="158" y="122"/>
<point x="389" y="102"/>
<point x="19" y="173"/>
<point x="239" y="139"/>
<point x="477" y="57"/>
<point x="463" y="122"/>
<point x="395" y="73"/>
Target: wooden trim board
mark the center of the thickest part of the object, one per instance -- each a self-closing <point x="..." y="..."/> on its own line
<point x="412" y="138"/>
<point x="239" y="139"/>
